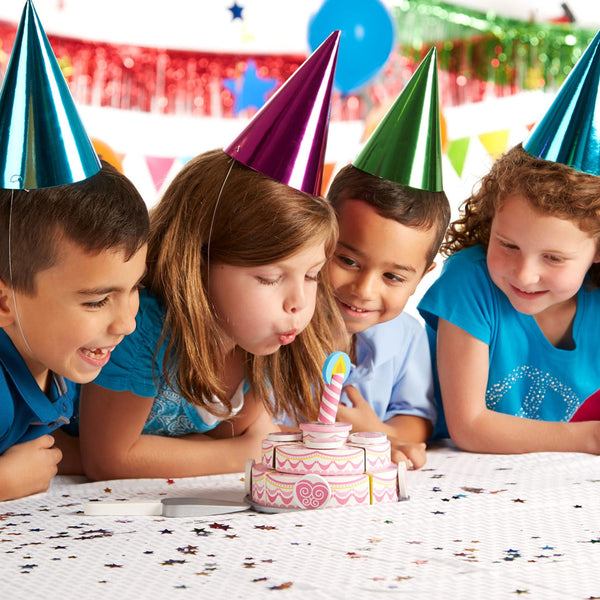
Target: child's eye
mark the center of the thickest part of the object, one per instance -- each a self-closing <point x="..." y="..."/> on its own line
<point x="553" y="258"/>
<point x="312" y="277"/>
<point x="508" y="245"/>
<point x="267" y="281"/>
<point x="96" y="304"/>
<point x="346" y="260"/>
<point x="394" y="278"/>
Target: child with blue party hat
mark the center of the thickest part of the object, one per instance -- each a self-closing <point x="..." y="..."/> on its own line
<point x="513" y="317"/>
<point x="392" y="214"/>
<point x="234" y="311"/>
<point x="73" y="251"/>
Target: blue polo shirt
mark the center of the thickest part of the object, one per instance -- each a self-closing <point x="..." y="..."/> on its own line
<point x="26" y="413"/>
<point x="393" y="369"/>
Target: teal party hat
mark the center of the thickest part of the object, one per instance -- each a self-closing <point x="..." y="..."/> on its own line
<point x="569" y="132"/>
<point x="42" y="139"/>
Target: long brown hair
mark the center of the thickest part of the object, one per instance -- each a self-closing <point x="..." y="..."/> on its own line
<point x="219" y="210"/>
<point x="550" y="187"/>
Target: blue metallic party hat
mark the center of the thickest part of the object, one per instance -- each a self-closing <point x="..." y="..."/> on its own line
<point x="42" y="139"/>
<point x="287" y="137"/>
<point x="406" y="146"/>
<point x="569" y="132"/>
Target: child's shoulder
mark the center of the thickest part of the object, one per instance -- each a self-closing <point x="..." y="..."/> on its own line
<point x="473" y="254"/>
<point x="391" y="334"/>
<point x="11" y="360"/>
<point x="464" y="265"/>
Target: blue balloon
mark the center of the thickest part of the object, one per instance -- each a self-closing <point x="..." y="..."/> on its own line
<point x="366" y="41"/>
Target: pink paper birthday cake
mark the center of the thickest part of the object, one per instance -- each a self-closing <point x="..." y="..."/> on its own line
<point x="322" y="465"/>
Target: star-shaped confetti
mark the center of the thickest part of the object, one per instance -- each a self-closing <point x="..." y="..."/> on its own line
<point x="283" y="586"/>
<point x="173" y="561"/>
<point x="236" y="11"/>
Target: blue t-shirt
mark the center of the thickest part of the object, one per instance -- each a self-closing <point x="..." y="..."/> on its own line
<point x="26" y="413"/>
<point x="134" y="367"/>
<point x="528" y="376"/>
<point x="393" y="369"/>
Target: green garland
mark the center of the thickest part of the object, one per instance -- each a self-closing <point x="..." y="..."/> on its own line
<point x="488" y="47"/>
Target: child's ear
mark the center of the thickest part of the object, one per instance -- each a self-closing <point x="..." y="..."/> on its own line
<point x="430" y="268"/>
<point x="6" y="305"/>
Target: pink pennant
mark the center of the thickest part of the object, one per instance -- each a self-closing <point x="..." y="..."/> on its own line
<point x="159" y="169"/>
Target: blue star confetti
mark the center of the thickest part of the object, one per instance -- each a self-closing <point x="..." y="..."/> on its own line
<point x="236" y="11"/>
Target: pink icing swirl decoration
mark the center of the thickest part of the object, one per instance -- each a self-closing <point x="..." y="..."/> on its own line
<point x="312" y="491"/>
<point x="335" y="371"/>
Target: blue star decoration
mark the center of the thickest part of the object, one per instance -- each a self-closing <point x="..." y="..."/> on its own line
<point x="249" y="90"/>
<point x="236" y="11"/>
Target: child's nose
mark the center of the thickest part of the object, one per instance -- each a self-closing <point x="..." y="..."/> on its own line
<point x="364" y="285"/>
<point x="526" y="271"/>
<point x="123" y="322"/>
<point x="295" y="299"/>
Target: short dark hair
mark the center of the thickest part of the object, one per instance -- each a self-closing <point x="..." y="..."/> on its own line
<point x="409" y="206"/>
<point x="104" y="211"/>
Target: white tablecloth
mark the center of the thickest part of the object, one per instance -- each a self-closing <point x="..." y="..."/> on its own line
<point x="476" y="526"/>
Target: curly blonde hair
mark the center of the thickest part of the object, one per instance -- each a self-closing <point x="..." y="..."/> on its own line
<point x="551" y="188"/>
<point x="219" y="210"/>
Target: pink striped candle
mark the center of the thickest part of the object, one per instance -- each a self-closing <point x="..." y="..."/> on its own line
<point x="331" y="398"/>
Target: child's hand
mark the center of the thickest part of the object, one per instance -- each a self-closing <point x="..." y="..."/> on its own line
<point x="360" y="415"/>
<point x="412" y="453"/>
<point x="27" y="468"/>
<point x="257" y="432"/>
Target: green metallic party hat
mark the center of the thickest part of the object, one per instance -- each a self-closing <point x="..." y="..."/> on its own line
<point x="42" y="139"/>
<point x="406" y="146"/>
<point x="569" y="132"/>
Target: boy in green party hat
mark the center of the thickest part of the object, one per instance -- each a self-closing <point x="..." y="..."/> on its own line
<point x="73" y="234"/>
<point x="392" y="214"/>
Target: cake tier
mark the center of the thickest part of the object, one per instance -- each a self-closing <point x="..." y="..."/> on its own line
<point x="309" y="491"/>
<point x="297" y="458"/>
<point x="351" y="458"/>
<point x="377" y="456"/>
<point x="325" y="435"/>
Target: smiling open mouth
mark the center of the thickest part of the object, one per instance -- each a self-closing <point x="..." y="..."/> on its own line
<point x="97" y="353"/>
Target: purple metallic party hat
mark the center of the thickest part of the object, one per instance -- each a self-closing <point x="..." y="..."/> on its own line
<point x="569" y="132"/>
<point x="406" y="146"/>
<point x="42" y="139"/>
<point x="286" y="138"/>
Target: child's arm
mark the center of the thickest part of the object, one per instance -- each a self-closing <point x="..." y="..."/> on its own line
<point x="71" y="455"/>
<point x="27" y="468"/>
<point x="113" y="446"/>
<point x="253" y="413"/>
<point x="463" y="366"/>
<point x="362" y="417"/>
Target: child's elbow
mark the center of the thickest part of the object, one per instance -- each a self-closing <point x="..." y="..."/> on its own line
<point x="463" y="436"/>
<point x="98" y="467"/>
